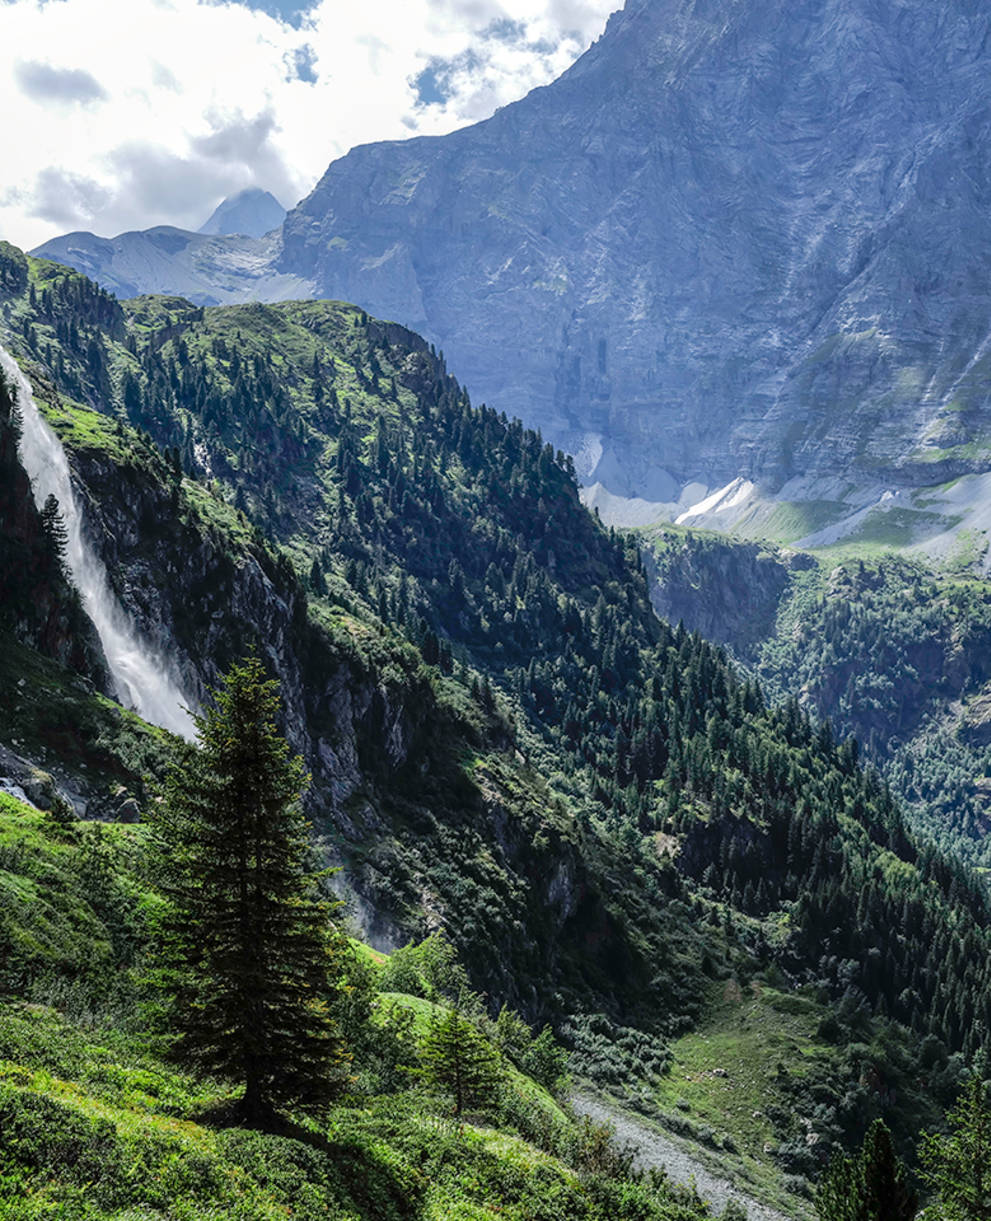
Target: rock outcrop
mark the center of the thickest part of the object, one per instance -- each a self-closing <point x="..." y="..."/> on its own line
<point x="729" y="592"/>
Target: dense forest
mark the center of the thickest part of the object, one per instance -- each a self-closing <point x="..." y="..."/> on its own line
<point x="616" y="832"/>
<point x="891" y="648"/>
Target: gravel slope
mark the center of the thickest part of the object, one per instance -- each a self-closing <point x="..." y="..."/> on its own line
<point x="654" y="1149"/>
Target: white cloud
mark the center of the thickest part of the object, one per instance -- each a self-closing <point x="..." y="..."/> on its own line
<point x="128" y="113"/>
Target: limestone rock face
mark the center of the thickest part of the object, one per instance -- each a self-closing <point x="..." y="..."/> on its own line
<point x="745" y="238"/>
<point x="738" y="238"/>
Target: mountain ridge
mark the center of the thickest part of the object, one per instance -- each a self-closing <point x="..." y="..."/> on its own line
<point x="249" y="213"/>
<point x="615" y="830"/>
<point x="708" y="248"/>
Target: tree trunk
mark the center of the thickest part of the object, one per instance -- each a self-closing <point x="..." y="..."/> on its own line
<point x="255" y="1107"/>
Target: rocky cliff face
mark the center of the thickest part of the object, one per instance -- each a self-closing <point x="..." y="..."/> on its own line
<point x="728" y="592"/>
<point x="732" y="239"/>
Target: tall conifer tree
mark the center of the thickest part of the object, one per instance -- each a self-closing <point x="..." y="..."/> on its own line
<point x="248" y="944"/>
<point x="870" y="1186"/>
<point x="958" y="1165"/>
<point x="459" y="1060"/>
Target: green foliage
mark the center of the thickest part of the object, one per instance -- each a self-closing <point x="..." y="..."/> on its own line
<point x="71" y="914"/>
<point x="53" y="525"/>
<point x="429" y="969"/>
<point x="95" y="1127"/>
<point x="890" y="650"/>
<point x="457" y="1059"/>
<point x="55" y="717"/>
<point x="13" y="270"/>
<point x="870" y="1186"/>
<point x="602" y="812"/>
<point x="246" y="942"/>
<point x="957" y="1165"/>
<point x="540" y="1056"/>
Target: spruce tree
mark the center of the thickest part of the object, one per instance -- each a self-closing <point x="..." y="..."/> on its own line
<point x="56" y="534"/>
<point x="248" y="946"/>
<point x="456" y="1058"/>
<point x="958" y="1165"/>
<point x="870" y="1186"/>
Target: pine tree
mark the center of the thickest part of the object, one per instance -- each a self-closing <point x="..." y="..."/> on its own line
<point x="459" y="1060"/>
<point x="870" y="1186"/>
<point x="55" y="532"/>
<point x="247" y="945"/>
<point x="317" y="583"/>
<point x="958" y="1165"/>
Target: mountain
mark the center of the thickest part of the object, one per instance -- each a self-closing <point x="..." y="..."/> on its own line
<point x="746" y="242"/>
<point x="206" y="269"/>
<point x="614" y="830"/>
<point x="250" y="213"/>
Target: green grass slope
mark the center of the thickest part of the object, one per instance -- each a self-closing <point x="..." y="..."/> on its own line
<point x="96" y="1125"/>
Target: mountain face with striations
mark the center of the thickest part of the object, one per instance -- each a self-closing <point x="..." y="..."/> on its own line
<point x="734" y="241"/>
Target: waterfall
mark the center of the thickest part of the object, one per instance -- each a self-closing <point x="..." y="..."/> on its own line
<point x="139" y="675"/>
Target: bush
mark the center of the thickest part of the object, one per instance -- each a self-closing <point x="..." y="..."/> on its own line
<point x="429" y="969"/>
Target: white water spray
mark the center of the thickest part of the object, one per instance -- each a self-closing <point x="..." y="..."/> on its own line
<point x="141" y="677"/>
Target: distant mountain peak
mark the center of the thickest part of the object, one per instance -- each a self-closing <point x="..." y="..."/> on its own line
<point x="250" y="213"/>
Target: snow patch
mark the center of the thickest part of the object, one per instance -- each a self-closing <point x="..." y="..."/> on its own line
<point x="722" y="500"/>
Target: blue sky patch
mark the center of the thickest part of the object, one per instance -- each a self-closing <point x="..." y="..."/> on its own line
<point x="302" y="65"/>
<point x="431" y="87"/>
<point x="291" y="11"/>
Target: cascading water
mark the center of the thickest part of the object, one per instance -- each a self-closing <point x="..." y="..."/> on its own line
<point x="139" y="675"/>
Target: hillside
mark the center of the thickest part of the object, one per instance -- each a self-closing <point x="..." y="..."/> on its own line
<point x="97" y="1124"/>
<point x="505" y="741"/>
<point x="889" y="648"/>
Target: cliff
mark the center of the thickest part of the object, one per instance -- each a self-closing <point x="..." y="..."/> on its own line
<point x="738" y="240"/>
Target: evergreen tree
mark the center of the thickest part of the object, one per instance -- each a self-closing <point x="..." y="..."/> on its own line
<point x="546" y="1061"/>
<point x="317" y="583"/>
<point x="870" y="1186"/>
<point x="459" y="1060"/>
<point x="248" y="947"/>
<point x="53" y="524"/>
<point x="958" y="1165"/>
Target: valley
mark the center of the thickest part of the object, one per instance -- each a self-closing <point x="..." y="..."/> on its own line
<point x="496" y="659"/>
<point x="615" y="835"/>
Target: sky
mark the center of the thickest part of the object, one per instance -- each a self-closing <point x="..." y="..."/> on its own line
<point x="122" y="114"/>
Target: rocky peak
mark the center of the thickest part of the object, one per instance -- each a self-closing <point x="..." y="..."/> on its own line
<point x="251" y="213"/>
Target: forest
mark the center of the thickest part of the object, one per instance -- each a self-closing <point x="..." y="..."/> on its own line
<point x="583" y="837"/>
